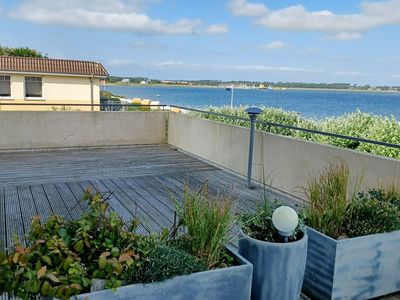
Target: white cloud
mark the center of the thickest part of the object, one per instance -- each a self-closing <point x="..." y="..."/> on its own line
<point x="274" y="45"/>
<point x="336" y="26"/>
<point x="216" y="29"/>
<point x="244" y="8"/>
<point x="344" y="36"/>
<point x="118" y="15"/>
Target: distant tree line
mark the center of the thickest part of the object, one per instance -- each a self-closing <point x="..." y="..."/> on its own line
<point x="205" y="82"/>
<point x="20" y="51"/>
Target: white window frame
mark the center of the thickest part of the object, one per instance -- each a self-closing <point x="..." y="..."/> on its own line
<point x="7" y="97"/>
<point x="33" y="98"/>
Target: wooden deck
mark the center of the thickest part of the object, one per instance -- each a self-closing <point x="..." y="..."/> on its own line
<point x="141" y="179"/>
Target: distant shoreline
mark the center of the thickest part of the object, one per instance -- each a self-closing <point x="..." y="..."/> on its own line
<point x="241" y="88"/>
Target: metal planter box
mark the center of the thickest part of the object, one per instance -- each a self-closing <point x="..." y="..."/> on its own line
<point x="278" y="268"/>
<point x="226" y="283"/>
<point x="356" y="268"/>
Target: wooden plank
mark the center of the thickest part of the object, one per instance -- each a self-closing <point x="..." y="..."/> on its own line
<point x="119" y="206"/>
<point x="15" y="225"/>
<point x="77" y="191"/>
<point x="56" y="202"/>
<point x="146" y="201"/>
<point x="73" y="205"/>
<point x="27" y="205"/>
<point x="3" y="239"/>
<point x="164" y="203"/>
<point x="128" y="200"/>
<point x="43" y="206"/>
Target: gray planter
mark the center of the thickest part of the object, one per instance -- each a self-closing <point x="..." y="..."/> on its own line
<point x="278" y="268"/>
<point x="227" y="283"/>
<point x="357" y="268"/>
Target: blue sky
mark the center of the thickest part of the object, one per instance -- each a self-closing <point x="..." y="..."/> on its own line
<point x="270" y="40"/>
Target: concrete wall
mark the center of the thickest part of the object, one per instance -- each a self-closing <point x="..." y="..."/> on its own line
<point x="287" y="162"/>
<point x="55" y="89"/>
<point x="32" y="130"/>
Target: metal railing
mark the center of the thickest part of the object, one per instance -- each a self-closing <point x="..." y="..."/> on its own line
<point x="330" y="134"/>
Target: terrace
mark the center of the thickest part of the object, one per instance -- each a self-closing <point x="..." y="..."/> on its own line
<point x="48" y="159"/>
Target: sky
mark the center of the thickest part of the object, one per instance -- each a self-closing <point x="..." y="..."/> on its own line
<point x="349" y="41"/>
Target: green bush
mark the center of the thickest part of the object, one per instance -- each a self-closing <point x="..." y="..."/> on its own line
<point x="63" y="256"/>
<point x="374" y="212"/>
<point x="356" y="124"/>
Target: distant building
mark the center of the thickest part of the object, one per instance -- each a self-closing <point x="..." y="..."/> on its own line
<point x="54" y="81"/>
<point x="143" y="82"/>
<point x="125" y="80"/>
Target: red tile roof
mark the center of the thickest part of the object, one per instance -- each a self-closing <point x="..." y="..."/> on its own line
<point x="48" y="65"/>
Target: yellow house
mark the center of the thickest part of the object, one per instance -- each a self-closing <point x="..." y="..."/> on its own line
<point x="53" y="83"/>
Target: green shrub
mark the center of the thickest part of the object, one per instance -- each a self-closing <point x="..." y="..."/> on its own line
<point x="356" y="124"/>
<point x="63" y="256"/>
<point x="374" y="212"/>
<point x="327" y="200"/>
<point x="165" y="262"/>
<point x="207" y="222"/>
<point x="384" y="130"/>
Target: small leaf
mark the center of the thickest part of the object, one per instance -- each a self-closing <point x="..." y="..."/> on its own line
<point x="46" y="259"/>
<point x="15" y="258"/>
<point x="62" y="233"/>
<point x="46" y="287"/>
<point x="52" y="277"/>
<point x="118" y="268"/>
<point x="23" y="261"/>
<point x="105" y="254"/>
<point x="124" y="257"/>
<point x="19" y="272"/>
<point x="78" y="246"/>
<point x="76" y="286"/>
<point x="102" y="262"/>
<point x="41" y="272"/>
<point x="20" y="249"/>
<point x="40" y="242"/>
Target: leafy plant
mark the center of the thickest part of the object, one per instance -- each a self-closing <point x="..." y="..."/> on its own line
<point x="207" y="222"/>
<point x="373" y="212"/>
<point x="327" y="199"/>
<point x="62" y="257"/>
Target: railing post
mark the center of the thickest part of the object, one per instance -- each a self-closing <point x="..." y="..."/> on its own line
<point x="253" y="113"/>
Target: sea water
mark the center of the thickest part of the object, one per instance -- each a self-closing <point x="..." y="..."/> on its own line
<point x="316" y="104"/>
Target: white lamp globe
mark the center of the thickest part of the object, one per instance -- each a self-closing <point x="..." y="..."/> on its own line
<point x="285" y="220"/>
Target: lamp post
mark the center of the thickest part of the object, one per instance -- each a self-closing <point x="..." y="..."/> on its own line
<point x="285" y="220"/>
<point x="253" y="113"/>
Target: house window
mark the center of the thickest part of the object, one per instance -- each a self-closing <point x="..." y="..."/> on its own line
<point x="33" y="87"/>
<point x="5" y="86"/>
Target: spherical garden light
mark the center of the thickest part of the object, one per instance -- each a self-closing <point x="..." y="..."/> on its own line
<point x="285" y="220"/>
